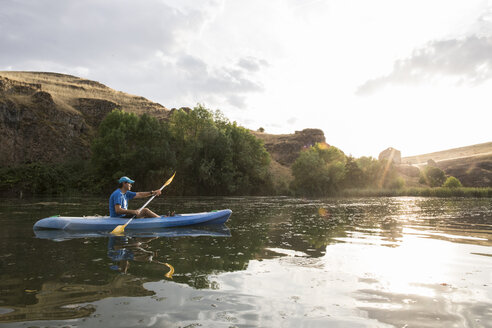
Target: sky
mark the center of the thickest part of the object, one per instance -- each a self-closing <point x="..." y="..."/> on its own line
<point x="413" y="75"/>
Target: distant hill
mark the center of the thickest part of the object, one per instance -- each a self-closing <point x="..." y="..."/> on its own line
<point x="51" y="117"/>
<point x="472" y="165"/>
<point x="67" y="90"/>
<point x="451" y="154"/>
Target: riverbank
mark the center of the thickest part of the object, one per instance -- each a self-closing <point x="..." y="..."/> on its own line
<point x="441" y="192"/>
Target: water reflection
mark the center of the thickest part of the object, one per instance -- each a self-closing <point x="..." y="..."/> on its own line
<point x="61" y="289"/>
<point x="123" y="249"/>
<point x="286" y="262"/>
<point x="58" y="300"/>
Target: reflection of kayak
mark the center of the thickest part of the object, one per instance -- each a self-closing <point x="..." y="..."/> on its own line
<point x="219" y="230"/>
<point x="107" y="223"/>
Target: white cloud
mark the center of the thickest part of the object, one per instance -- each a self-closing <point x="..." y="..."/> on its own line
<point x="141" y="47"/>
<point x="465" y="60"/>
<point x="252" y="64"/>
<point x="462" y="60"/>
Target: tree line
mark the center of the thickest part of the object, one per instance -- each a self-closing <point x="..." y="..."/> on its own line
<point x="212" y="156"/>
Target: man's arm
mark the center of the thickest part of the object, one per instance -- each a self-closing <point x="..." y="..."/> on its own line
<point x="144" y="194"/>
<point x="119" y="210"/>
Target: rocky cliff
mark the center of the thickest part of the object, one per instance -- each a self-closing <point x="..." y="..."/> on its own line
<point x="50" y="117"/>
<point x="284" y="148"/>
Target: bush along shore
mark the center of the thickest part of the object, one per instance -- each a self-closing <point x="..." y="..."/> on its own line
<point x="216" y="157"/>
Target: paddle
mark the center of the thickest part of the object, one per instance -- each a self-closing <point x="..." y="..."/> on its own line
<point x="121" y="228"/>
<point x="171" y="269"/>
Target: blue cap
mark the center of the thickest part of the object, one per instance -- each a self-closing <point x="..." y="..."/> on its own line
<point x="126" y="179"/>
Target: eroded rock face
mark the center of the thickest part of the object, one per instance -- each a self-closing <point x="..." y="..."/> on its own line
<point x="51" y="117"/>
<point x="391" y="154"/>
<point x="285" y="148"/>
<point x="8" y="86"/>
<point x="33" y="129"/>
<point x="94" y="110"/>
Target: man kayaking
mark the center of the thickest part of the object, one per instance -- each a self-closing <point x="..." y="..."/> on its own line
<point x="118" y="201"/>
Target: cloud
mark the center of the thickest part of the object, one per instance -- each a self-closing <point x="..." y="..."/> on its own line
<point x="292" y="120"/>
<point x="141" y="47"/>
<point x="229" y="81"/>
<point x="84" y="33"/>
<point x="465" y="60"/>
<point x="251" y="63"/>
<point x="238" y="101"/>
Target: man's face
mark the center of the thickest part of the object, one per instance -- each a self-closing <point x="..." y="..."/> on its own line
<point x="128" y="185"/>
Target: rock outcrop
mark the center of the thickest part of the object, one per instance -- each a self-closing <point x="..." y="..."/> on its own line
<point x="390" y="154"/>
<point x="50" y="117"/>
<point x="33" y="128"/>
<point x="285" y="148"/>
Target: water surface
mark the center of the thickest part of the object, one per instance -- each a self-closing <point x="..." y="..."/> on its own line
<point x="279" y="262"/>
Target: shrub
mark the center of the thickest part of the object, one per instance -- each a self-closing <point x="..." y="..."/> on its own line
<point x="432" y="176"/>
<point x="452" y="182"/>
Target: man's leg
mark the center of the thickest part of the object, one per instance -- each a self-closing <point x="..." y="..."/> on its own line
<point x="146" y="213"/>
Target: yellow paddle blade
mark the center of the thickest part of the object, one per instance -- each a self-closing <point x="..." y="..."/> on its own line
<point x="169" y="180"/>
<point x="119" y="230"/>
<point x="171" y="271"/>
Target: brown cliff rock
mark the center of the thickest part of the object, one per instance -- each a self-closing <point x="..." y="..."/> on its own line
<point x="285" y="148"/>
<point x="50" y="117"/>
<point x="390" y="154"/>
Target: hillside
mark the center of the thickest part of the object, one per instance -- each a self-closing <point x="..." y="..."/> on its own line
<point x="472" y="171"/>
<point x="68" y="91"/>
<point x="51" y="117"/>
<point x="451" y="154"/>
<point x="472" y="165"/>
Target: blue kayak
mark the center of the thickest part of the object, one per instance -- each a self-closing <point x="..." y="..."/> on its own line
<point x="106" y="223"/>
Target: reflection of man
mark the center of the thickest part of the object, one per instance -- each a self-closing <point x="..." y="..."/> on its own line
<point x="123" y="250"/>
<point x="118" y="201"/>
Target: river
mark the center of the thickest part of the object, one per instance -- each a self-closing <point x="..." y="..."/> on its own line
<point x="278" y="262"/>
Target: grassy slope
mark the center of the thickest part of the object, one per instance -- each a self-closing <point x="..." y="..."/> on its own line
<point x="66" y="89"/>
<point x="451" y="154"/>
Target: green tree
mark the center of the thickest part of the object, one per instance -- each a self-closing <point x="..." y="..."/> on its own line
<point x="137" y="146"/>
<point x="452" y="182"/>
<point x="216" y="156"/>
<point x="354" y="176"/>
<point x="319" y="171"/>
<point x="432" y="176"/>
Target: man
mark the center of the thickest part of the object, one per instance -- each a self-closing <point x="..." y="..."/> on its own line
<point x="118" y="201"/>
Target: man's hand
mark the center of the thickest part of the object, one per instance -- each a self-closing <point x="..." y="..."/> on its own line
<point x="157" y="192"/>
